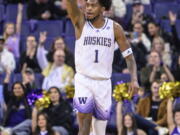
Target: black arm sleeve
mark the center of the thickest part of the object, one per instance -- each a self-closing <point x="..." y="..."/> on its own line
<point x="175" y="38"/>
<point x="6" y="93"/>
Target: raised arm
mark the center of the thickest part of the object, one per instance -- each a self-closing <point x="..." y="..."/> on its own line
<point x="168" y="72"/>
<point x="153" y="74"/>
<point x="6" y="92"/>
<point x="19" y="18"/>
<point x="34" y="119"/>
<point x="170" y="120"/>
<point x="41" y="51"/>
<point x="119" y="117"/>
<point x="127" y="54"/>
<point x="76" y="16"/>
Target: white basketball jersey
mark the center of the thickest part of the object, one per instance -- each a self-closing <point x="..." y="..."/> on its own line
<point x="94" y="51"/>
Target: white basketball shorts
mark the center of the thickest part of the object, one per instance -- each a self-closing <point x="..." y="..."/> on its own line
<point x="93" y="96"/>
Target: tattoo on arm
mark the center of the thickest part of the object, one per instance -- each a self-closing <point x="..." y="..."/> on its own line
<point x="131" y="64"/>
<point x="124" y="45"/>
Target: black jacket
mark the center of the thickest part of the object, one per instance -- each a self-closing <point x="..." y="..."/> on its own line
<point x="139" y="52"/>
<point x="31" y="62"/>
<point x="13" y="104"/>
<point x="35" y="10"/>
<point x="60" y="115"/>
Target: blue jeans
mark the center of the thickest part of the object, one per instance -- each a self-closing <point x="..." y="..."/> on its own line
<point x="145" y="125"/>
<point x="24" y="128"/>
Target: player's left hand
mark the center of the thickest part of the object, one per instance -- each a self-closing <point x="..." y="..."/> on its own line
<point x="134" y="87"/>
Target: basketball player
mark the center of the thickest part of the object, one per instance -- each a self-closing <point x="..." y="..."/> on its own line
<point x="94" y="50"/>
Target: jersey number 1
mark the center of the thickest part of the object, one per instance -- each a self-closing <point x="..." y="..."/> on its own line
<point x="96" y="56"/>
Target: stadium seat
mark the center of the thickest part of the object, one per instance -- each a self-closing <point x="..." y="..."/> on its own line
<point x="2" y="76"/>
<point x="1" y="95"/>
<point x="70" y="41"/>
<point x="69" y="28"/>
<point x="117" y="77"/>
<point x="178" y="27"/>
<point x="1" y="28"/>
<point x="165" y="25"/>
<point x="147" y="9"/>
<point x="48" y="43"/>
<point x="17" y="60"/>
<point x="17" y="77"/>
<point x="38" y="79"/>
<point x="162" y="1"/>
<point x="11" y="13"/>
<point x="1" y="13"/>
<point x="25" y="28"/>
<point x="53" y="28"/>
<point x="1" y="18"/>
<point x="23" y="44"/>
<point x="162" y="9"/>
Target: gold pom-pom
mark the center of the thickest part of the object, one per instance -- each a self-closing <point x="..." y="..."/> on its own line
<point x="43" y="102"/>
<point x="169" y="90"/>
<point x="69" y="91"/>
<point x="121" y="92"/>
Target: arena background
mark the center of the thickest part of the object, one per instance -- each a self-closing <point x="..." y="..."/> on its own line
<point x="151" y="26"/>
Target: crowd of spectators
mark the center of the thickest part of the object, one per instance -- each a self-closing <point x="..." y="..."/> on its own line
<point x="157" y="54"/>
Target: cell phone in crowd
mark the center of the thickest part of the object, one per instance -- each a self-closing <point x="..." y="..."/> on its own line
<point x="135" y="35"/>
<point x="135" y="38"/>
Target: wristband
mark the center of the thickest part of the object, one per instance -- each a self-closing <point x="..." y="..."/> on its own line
<point x="127" y="52"/>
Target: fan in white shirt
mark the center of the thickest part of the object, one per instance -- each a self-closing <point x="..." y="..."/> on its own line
<point x="7" y="60"/>
<point x="57" y="73"/>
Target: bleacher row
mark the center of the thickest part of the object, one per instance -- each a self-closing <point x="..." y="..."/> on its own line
<point x="39" y="78"/>
<point x="64" y="27"/>
<point x="116" y="77"/>
<point x="55" y="28"/>
<point x="159" y="10"/>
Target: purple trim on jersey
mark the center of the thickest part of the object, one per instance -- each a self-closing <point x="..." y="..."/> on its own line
<point x="175" y="131"/>
<point x="105" y="25"/>
<point x="101" y="28"/>
<point x="90" y="25"/>
<point x="101" y="115"/>
<point x="87" y="107"/>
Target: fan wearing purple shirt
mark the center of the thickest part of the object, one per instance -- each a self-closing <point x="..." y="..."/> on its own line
<point x="12" y="33"/>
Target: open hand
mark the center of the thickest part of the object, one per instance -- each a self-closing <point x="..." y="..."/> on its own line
<point x="134" y="87"/>
<point x="172" y="17"/>
<point x="20" y="7"/>
<point x="8" y="75"/>
<point x="42" y="37"/>
<point x="46" y="15"/>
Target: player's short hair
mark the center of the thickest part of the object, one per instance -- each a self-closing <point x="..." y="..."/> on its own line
<point x="105" y="3"/>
